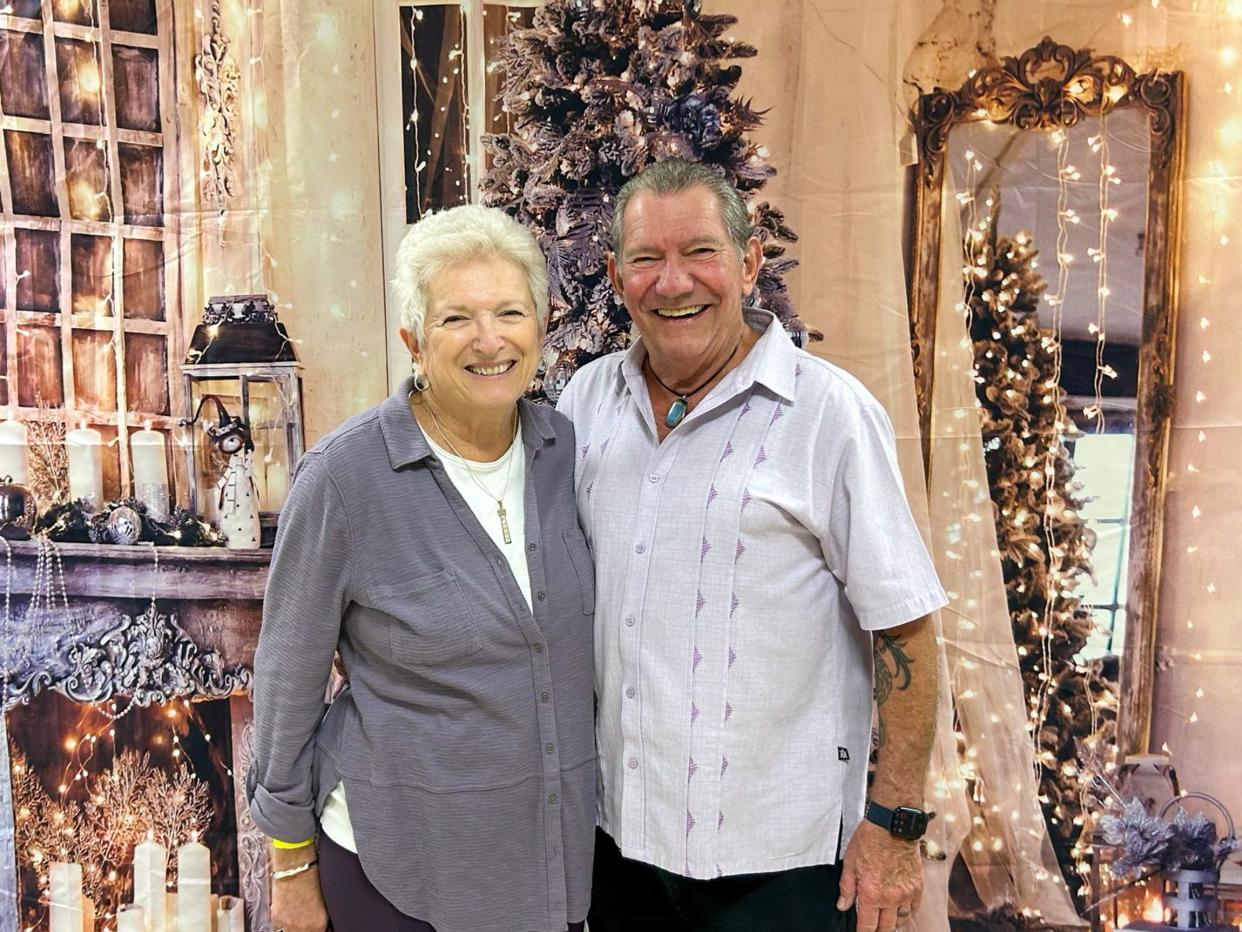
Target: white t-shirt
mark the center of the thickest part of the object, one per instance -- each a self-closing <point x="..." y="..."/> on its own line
<point x="505" y="478"/>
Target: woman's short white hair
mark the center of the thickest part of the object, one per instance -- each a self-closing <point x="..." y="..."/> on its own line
<point x="450" y="237"/>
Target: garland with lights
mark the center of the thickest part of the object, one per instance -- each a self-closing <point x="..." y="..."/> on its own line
<point x="1044" y="543"/>
<point x="597" y="90"/>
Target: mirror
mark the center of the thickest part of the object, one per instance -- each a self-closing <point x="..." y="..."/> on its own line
<point x="1051" y="179"/>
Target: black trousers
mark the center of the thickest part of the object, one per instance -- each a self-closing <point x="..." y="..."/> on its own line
<point x="356" y="906"/>
<point x="630" y="896"/>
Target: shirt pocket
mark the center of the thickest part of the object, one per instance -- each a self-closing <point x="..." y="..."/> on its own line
<point x="430" y="620"/>
<point x="584" y="567"/>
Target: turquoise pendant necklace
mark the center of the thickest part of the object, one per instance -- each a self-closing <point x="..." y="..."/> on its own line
<point x="681" y="404"/>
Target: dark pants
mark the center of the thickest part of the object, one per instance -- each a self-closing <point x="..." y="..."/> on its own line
<point x="356" y="906"/>
<point x="630" y="896"/>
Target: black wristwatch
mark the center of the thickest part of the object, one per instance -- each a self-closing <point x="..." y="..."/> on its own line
<point x="902" y="822"/>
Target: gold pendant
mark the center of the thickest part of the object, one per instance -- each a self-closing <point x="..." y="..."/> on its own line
<point x="504" y="521"/>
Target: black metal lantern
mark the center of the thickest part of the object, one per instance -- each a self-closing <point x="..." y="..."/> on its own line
<point x="243" y="356"/>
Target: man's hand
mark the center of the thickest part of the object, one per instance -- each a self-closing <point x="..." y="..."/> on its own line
<point x="297" y="901"/>
<point x="884" y="875"/>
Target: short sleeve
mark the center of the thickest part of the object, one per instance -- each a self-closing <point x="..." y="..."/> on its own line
<point x="869" y="537"/>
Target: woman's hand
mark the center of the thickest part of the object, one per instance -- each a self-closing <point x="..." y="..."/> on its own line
<point x="297" y="901"/>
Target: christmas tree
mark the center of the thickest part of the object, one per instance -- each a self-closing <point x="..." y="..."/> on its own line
<point x="597" y="90"/>
<point x="1045" y="545"/>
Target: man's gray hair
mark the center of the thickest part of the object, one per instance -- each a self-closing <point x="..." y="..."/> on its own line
<point x="672" y="176"/>
<point x="450" y="237"/>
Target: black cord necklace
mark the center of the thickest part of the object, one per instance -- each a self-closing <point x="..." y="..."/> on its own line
<point x="677" y="410"/>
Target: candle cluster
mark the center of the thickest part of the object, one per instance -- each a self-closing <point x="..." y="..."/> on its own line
<point x="192" y="907"/>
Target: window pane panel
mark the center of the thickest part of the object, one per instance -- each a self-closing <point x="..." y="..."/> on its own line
<point x="1106" y="464"/>
<point x="39" y="366"/>
<point x="142" y="184"/>
<point x="433" y="100"/>
<point x="137" y="88"/>
<point x="23" y="76"/>
<point x="144" y="279"/>
<point x="133" y="15"/>
<point x="38" y="270"/>
<point x="92" y="274"/>
<point x="81" y="83"/>
<point x="146" y="373"/>
<point x="81" y="12"/>
<point x="31" y="173"/>
<point x="498" y="22"/>
<point x="94" y="370"/>
<point x="86" y="170"/>
<point x="26" y="9"/>
<point x="1105" y="560"/>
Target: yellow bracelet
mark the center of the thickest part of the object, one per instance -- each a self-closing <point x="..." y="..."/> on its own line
<point x="288" y="845"/>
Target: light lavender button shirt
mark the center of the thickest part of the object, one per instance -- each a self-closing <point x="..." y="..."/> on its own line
<point x="740" y="566"/>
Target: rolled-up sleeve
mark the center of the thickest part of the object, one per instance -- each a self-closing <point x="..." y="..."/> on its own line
<point x="307" y="594"/>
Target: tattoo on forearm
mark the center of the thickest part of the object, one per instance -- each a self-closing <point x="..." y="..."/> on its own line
<point x="892" y="666"/>
<point x="892" y="669"/>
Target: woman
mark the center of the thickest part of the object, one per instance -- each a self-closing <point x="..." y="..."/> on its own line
<point x="433" y="541"/>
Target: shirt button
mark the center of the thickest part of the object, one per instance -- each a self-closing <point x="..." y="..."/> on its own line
<point x="629" y="621"/>
<point x="633" y="763"/>
<point x="629" y="692"/>
<point x="532" y="547"/>
<point x="549" y="748"/>
<point x="551" y="797"/>
<point x="653" y="478"/>
<point x="538" y="648"/>
<point x="540" y="596"/>
<point x="545" y="697"/>
<point x="640" y="548"/>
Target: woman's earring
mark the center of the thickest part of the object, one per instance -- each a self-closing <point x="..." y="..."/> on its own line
<point x="420" y="380"/>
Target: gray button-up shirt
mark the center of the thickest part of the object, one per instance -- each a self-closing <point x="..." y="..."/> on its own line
<point x="465" y="735"/>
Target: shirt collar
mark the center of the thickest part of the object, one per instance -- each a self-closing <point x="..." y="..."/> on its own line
<point x="771" y="362"/>
<point x="405" y="440"/>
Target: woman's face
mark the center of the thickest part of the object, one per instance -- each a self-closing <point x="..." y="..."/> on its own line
<point x="481" y="336"/>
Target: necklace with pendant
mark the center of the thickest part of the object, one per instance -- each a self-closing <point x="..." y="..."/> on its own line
<point x="677" y="410"/>
<point x="501" y="513"/>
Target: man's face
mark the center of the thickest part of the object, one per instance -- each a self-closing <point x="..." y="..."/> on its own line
<point x="682" y="280"/>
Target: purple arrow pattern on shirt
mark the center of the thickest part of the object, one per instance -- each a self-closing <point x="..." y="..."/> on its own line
<point x="711" y="494"/>
<point x="728" y="450"/>
<point x="704" y="550"/>
<point x="746" y="499"/>
<point x="691" y="769"/>
<point x="698" y="659"/>
<point x="733" y="602"/>
<point x="585" y="448"/>
<point x="724" y="764"/>
<point x="699" y="602"/>
<point x="777" y="414"/>
<point x="761" y="456"/>
<point x="689" y="821"/>
<point x="694" y="712"/>
<point x="741" y="549"/>
<point x="728" y="711"/>
<point x="732" y="656"/>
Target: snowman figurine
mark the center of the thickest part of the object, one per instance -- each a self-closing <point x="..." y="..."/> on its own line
<point x="238" y="503"/>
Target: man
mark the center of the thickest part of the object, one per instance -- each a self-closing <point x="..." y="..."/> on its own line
<point x="754" y="556"/>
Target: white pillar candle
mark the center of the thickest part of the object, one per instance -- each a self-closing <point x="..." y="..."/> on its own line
<point x="170" y="913"/>
<point x="194" y="888"/>
<point x="88" y="914"/>
<point x="231" y="915"/>
<point x="146" y="447"/>
<point x="131" y="918"/>
<point x="65" y="898"/>
<point x="13" y="450"/>
<point x="85" y="449"/>
<point x="277" y="485"/>
<point x="150" y="875"/>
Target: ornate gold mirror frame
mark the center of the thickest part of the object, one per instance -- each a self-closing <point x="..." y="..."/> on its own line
<point x="1051" y="87"/>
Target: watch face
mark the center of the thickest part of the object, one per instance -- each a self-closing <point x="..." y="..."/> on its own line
<point x="908" y="823"/>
